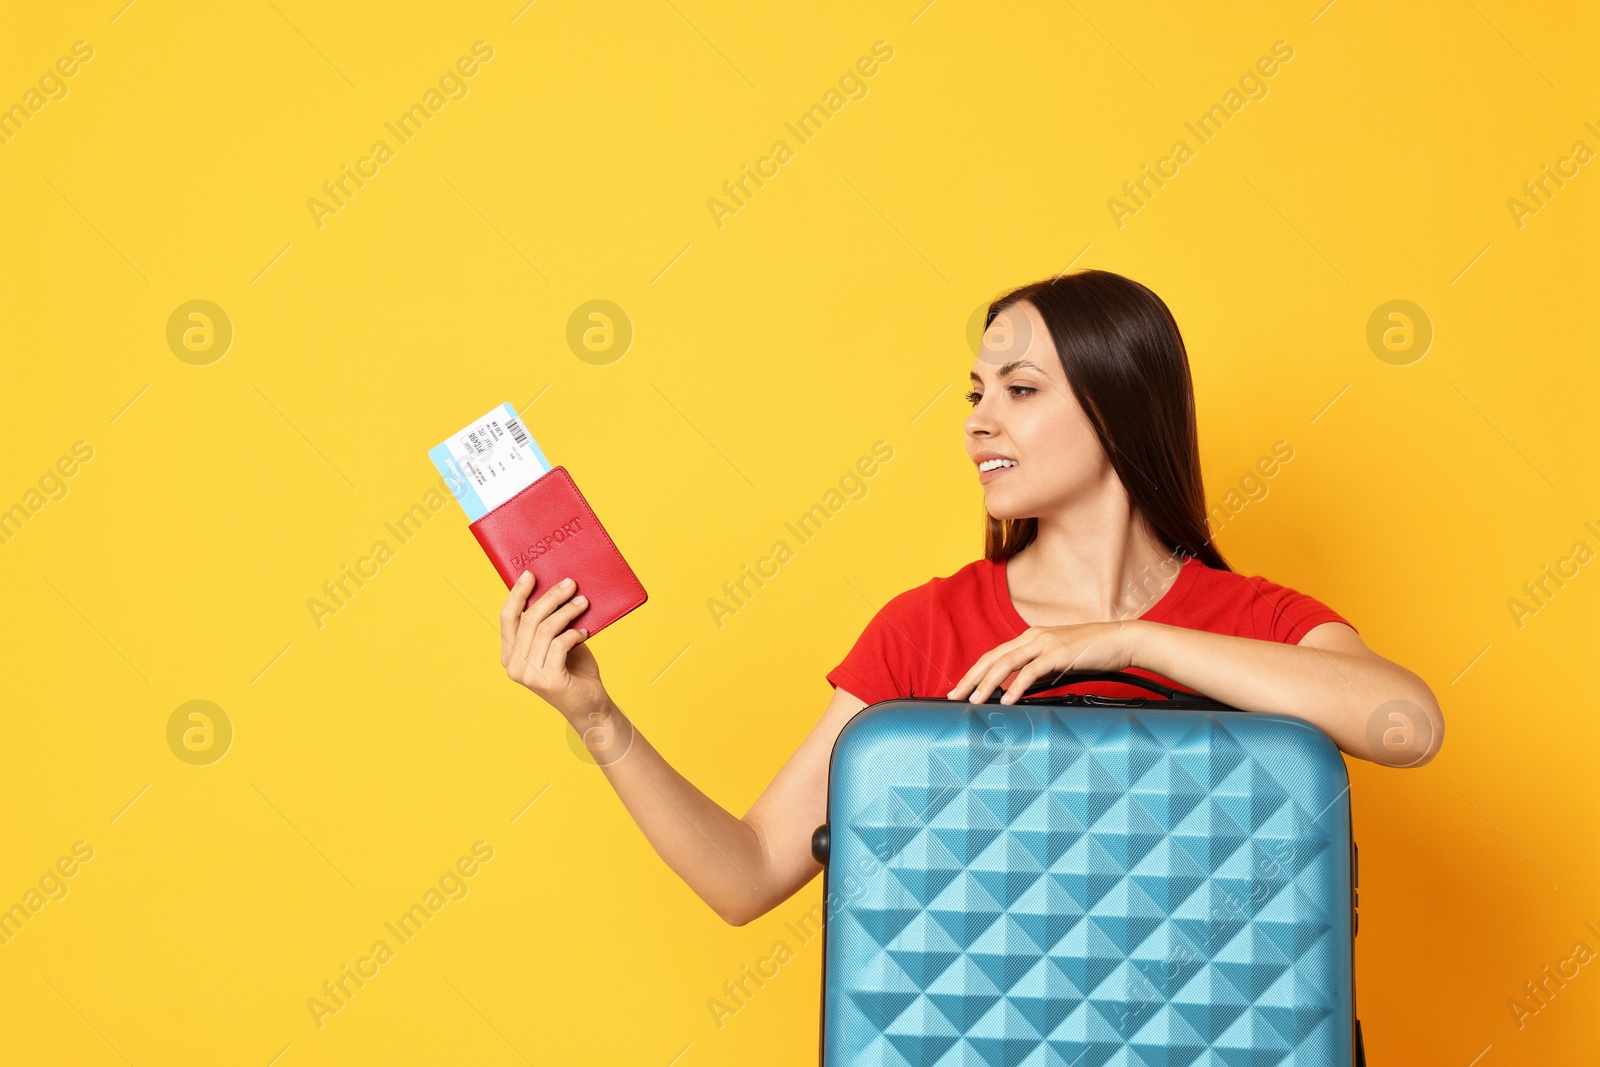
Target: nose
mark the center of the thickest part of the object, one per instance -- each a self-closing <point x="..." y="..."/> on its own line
<point x="979" y="423"/>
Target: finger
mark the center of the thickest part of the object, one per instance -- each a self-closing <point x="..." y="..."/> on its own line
<point x="511" y="612"/>
<point x="960" y="689"/>
<point x="1048" y="661"/>
<point x="978" y="670"/>
<point x="1026" y="676"/>
<point x="553" y="628"/>
<point x="1002" y="666"/>
<point x="517" y="655"/>
<point x="565" y="641"/>
<point x="985" y="661"/>
<point x="532" y="642"/>
<point x="1001" y="655"/>
<point x="552" y="599"/>
<point x="528" y="656"/>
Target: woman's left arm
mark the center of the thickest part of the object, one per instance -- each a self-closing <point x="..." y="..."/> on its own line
<point x="1373" y="708"/>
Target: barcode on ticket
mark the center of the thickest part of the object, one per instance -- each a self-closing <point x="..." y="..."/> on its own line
<point x="489" y="461"/>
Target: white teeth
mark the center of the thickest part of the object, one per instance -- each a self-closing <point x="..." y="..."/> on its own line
<point x="994" y="464"/>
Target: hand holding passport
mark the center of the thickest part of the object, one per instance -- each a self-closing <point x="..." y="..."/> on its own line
<point x="530" y="516"/>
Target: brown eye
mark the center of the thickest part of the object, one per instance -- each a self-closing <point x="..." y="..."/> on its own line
<point x="973" y="397"/>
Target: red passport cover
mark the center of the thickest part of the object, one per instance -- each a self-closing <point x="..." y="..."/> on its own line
<point x="549" y="529"/>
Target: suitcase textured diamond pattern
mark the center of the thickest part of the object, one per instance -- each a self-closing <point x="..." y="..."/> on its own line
<point x="1046" y="885"/>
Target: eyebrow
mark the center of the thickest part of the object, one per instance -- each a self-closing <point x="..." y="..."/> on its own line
<point x="1007" y="369"/>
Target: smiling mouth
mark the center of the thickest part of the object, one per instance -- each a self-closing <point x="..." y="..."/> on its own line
<point x="990" y="469"/>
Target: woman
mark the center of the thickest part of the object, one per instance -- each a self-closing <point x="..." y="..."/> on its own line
<point x="1098" y="556"/>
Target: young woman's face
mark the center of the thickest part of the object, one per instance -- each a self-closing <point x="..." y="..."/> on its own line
<point x="1024" y="411"/>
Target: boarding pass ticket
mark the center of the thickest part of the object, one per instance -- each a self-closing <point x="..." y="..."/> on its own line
<point x="489" y="462"/>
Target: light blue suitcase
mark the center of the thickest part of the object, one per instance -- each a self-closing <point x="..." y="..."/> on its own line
<point x="1079" y="880"/>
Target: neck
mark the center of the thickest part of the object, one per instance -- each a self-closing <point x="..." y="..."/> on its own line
<point x="1097" y="561"/>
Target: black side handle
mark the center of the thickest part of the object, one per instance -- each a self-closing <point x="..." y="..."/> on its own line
<point x="1062" y="678"/>
<point x="819" y="844"/>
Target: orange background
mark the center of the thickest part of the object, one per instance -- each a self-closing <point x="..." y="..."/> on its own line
<point x="830" y="311"/>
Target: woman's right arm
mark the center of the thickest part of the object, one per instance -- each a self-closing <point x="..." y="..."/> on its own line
<point x="742" y="868"/>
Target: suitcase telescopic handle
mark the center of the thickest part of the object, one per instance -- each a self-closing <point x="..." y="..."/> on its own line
<point x="1074" y="677"/>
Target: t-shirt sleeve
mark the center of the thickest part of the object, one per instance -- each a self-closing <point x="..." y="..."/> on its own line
<point x="1285" y="615"/>
<point x="881" y="663"/>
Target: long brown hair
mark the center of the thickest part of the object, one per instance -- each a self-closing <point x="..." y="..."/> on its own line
<point x="1125" y="361"/>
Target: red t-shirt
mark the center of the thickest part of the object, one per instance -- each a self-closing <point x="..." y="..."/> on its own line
<point x="925" y="639"/>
